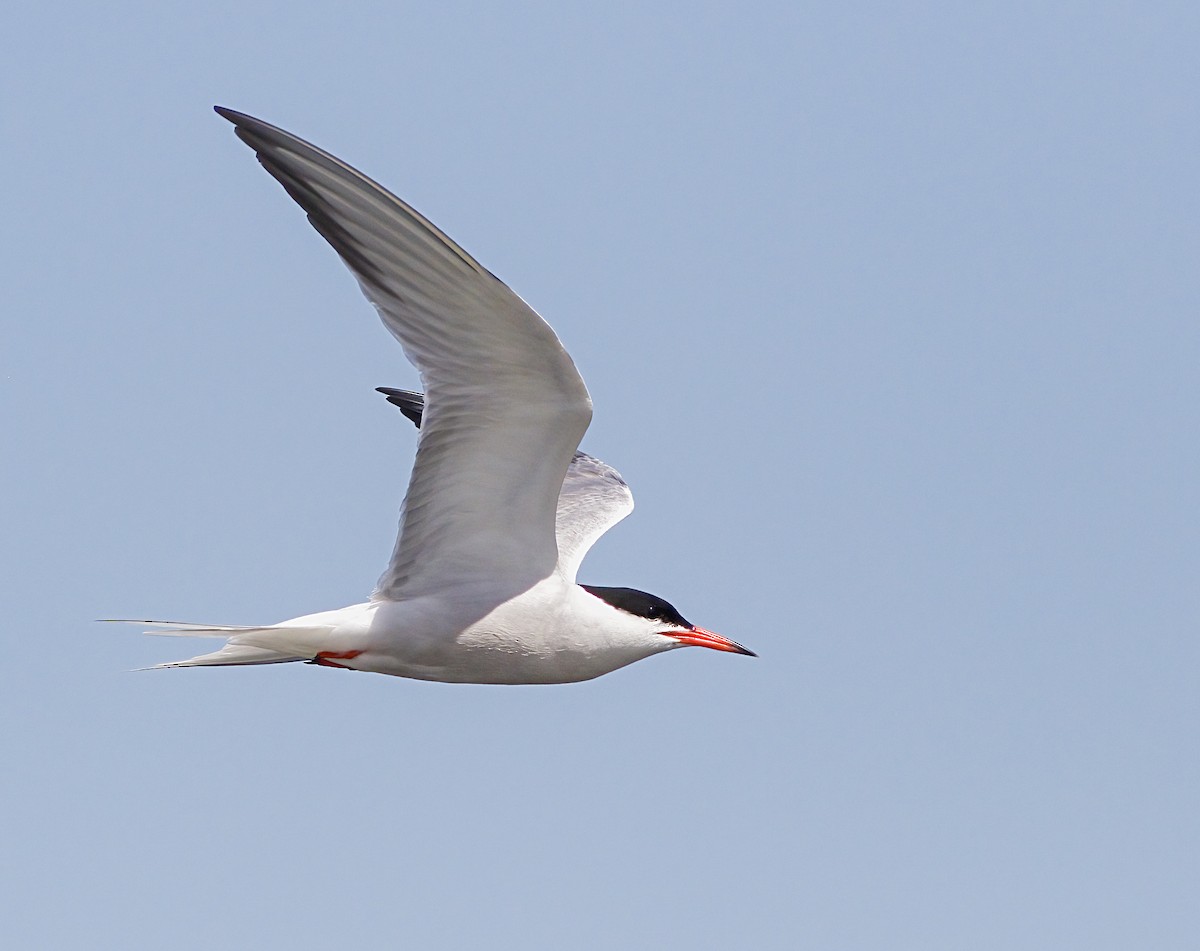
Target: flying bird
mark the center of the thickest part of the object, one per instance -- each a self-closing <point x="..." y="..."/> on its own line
<point x="501" y="506"/>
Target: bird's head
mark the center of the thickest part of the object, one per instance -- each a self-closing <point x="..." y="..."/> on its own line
<point x="662" y="619"/>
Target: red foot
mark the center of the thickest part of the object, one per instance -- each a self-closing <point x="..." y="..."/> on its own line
<point x="326" y="658"/>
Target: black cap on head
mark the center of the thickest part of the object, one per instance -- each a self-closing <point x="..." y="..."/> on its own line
<point x="639" y="604"/>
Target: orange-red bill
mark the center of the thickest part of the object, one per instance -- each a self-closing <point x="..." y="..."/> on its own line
<point x="699" y="637"/>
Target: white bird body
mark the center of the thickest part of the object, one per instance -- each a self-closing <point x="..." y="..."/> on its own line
<point x="555" y="632"/>
<point x="500" y="509"/>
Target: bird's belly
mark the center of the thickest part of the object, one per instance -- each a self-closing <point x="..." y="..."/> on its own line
<point x="482" y="657"/>
<point x="492" y="665"/>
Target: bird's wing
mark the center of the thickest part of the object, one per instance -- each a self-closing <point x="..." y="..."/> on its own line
<point x="593" y="499"/>
<point x="507" y="407"/>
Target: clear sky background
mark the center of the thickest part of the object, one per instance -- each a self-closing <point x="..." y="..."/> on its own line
<point x="889" y="313"/>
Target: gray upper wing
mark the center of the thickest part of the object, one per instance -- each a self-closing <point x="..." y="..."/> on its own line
<point x="506" y="406"/>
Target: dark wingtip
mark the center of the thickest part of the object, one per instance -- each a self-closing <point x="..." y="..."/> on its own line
<point x="411" y="404"/>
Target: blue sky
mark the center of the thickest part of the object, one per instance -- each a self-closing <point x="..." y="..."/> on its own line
<point x="889" y="316"/>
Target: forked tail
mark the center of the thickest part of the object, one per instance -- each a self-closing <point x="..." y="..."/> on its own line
<point x="273" y="644"/>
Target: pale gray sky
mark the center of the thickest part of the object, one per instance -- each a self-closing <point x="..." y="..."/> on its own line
<point x="890" y="318"/>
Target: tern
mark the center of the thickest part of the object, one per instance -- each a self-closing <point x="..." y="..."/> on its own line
<point x="501" y="506"/>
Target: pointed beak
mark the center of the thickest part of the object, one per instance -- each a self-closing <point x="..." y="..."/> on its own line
<point x="699" y="637"/>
